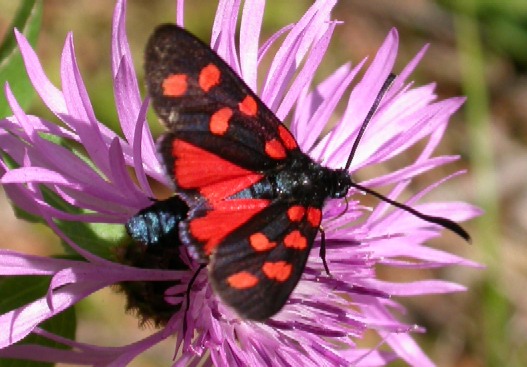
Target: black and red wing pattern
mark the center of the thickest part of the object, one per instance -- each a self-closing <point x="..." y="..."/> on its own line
<point x="264" y="259"/>
<point x="204" y="103"/>
<point x="222" y="143"/>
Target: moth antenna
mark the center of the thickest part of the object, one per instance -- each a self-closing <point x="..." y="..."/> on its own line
<point x="443" y="222"/>
<point x="389" y="80"/>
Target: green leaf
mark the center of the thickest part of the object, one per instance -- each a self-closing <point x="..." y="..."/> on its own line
<point x="99" y="239"/>
<point x="27" y="20"/>
<point x="18" y="291"/>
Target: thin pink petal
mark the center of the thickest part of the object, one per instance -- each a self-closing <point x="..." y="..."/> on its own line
<point x="140" y="160"/>
<point x="223" y="31"/>
<point x="293" y="50"/>
<point x="251" y="24"/>
<point x="79" y="107"/>
<point x="121" y="178"/>
<point x="18" y="323"/>
<point x="51" y="96"/>
<point x="15" y="263"/>
<point x="409" y="172"/>
<point x="307" y="73"/>
<point x="343" y="134"/>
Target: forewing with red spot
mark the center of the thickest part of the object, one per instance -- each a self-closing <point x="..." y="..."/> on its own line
<point x="224" y="149"/>
<point x="204" y="102"/>
<point x="257" y="267"/>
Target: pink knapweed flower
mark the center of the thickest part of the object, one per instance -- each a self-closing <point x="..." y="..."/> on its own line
<point x="49" y="177"/>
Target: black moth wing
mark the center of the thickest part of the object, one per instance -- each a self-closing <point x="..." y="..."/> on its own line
<point x="171" y="51"/>
<point x="268" y="296"/>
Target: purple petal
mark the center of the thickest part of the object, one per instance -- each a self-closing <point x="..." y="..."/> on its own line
<point x="180" y="12"/>
<point x="138" y="155"/>
<point x="430" y="256"/>
<point x="324" y="99"/>
<point x="416" y="288"/>
<point x="407" y="349"/>
<point x="223" y="32"/>
<point x="271" y="40"/>
<point x="37" y="175"/>
<point x="126" y="91"/>
<point x="405" y="73"/>
<point x="251" y="24"/>
<point x="50" y="95"/>
<point x="18" y="323"/>
<point x="14" y="263"/>
<point x="293" y="50"/>
<point x="121" y="178"/>
<point x="307" y="73"/>
<point x="79" y="107"/>
<point x="365" y="90"/>
<point x="409" y="172"/>
<point x="64" y="159"/>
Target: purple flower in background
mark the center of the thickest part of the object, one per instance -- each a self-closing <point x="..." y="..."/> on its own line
<point x="325" y="315"/>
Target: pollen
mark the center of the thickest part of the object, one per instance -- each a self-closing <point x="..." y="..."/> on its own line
<point x="175" y="85"/>
<point x="279" y="271"/>
<point x="260" y="242"/>
<point x="295" y="240"/>
<point x="219" y="121"/>
<point x="242" y="280"/>
<point x="209" y="77"/>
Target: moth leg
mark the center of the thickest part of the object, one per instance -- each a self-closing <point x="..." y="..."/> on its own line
<point x="322" y="252"/>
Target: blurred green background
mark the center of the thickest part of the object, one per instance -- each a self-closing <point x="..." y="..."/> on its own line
<point x="478" y="49"/>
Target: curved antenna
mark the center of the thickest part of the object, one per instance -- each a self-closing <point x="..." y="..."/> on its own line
<point x="389" y="80"/>
<point x="443" y="222"/>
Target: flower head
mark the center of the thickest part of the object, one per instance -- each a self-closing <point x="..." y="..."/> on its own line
<point x="47" y="177"/>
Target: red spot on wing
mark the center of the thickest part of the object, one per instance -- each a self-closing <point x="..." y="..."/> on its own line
<point x="259" y="242"/>
<point x="295" y="240"/>
<point x="287" y="138"/>
<point x="248" y="106"/>
<point x="226" y="188"/>
<point x="209" y="77"/>
<point x="296" y="213"/>
<point x="225" y="217"/>
<point x="214" y="177"/>
<point x="275" y="149"/>
<point x="219" y="121"/>
<point x="279" y="271"/>
<point x="314" y="216"/>
<point x="175" y="85"/>
<point x="242" y="280"/>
